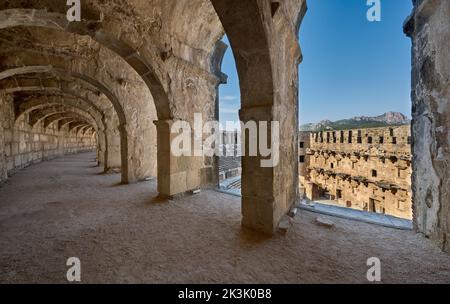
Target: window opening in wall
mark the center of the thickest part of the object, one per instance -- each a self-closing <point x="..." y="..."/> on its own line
<point x="372" y="205"/>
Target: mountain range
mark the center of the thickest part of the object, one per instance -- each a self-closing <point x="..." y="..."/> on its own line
<point x="359" y="122"/>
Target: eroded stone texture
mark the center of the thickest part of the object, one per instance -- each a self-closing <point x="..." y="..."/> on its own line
<point x="429" y="28"/>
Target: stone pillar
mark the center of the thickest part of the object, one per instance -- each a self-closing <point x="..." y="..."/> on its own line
<point x="177" y="175"/>
<point x="112" y="153"/>
<point x="101" y="147"/>
<point x="3" y="166"/>
<point x="268" y="192"/>
<point x="429" y="28"/>
<point x="132" y="155"/>
<point x="260" y="209"/>
<point x="60" y="144"/>
<point x="263" y="35"/>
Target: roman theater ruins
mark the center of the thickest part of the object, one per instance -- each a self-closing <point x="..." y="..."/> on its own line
<point x="86" y="169"/>
<point x="364" y="169"/>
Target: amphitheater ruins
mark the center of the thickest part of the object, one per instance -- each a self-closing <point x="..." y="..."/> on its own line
<point x="365" y="169"/>
<point x="116" y="81"/>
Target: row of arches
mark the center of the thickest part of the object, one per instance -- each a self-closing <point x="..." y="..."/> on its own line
<point x="130" y="69"/>
<point x="127" y="80"/>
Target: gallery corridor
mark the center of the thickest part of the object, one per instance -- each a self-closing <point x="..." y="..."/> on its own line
<point x="67" y="207"/>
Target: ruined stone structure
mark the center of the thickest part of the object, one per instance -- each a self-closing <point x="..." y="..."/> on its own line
<point x="304" y="143"/>
<point x="429" y="28"/>
<point x="365" y="169"/>
<point x="230" y="159"/>
<point x="30" y="135"/>
<point x="124" y="74"/>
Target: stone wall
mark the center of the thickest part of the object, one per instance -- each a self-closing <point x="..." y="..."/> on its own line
<point x="304" y="144"/>
<point x="22" y="145"/>
<point x="392" y="140"/>
<point x="3" y="165"/>
<point x="429" y="28"/>
<point x="365" y="169"/>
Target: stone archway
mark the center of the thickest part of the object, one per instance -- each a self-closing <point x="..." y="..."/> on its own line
<point x="62" y="95"/>
<point x="135" y="167"/>
<point x="429" y="28"/>
<point x="93" y="28"/>
<point x="127" y="175"/>
<point x="264" y="43"/>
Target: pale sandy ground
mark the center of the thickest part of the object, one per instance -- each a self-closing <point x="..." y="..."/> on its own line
<point x="63" y="208"/>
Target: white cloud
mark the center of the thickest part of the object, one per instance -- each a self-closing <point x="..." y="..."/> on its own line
<point x="229" y="97"/>
<point x="229" y="110"/>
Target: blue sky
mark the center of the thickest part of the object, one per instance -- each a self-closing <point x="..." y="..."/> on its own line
<point x="351" y="66"/>
<point x="229" y="94"/>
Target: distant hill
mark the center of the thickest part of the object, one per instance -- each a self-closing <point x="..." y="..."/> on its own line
<point x="359" y="122"/>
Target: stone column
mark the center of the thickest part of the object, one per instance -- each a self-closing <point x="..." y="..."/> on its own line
<point x="260" y="210"/>
<point x="3" y="166"/>
<point x="177" y="175"/>
<point x="101" y="147"/>
<point x="112" y="153"/>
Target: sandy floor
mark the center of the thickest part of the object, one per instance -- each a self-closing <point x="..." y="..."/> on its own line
<point x="64" y="208"/>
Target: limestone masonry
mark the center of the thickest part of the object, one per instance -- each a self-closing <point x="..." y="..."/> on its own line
<point x="364" y="169"/>
<point x="119" y="79"/>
